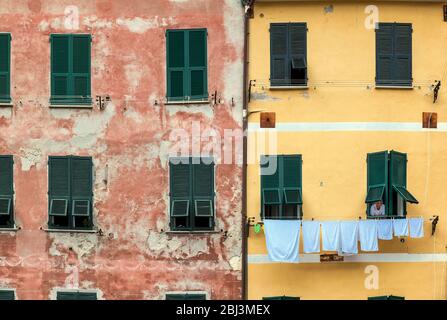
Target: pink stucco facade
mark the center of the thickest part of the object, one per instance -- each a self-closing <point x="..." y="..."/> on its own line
<point x="134" y="256"/>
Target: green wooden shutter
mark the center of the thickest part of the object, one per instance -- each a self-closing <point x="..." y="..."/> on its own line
<point x="279" y="60"/>
<point x="398" y="181"/>
<point x="180" y="187"/>
<point x="76" y="296"/>
<point x="80" y="78"/>
<point x="377" y="178"/>
<point x="281" y="298"/>
<point x="176" y="64"/>
<point x="298" y="53"/>
<point x="197" y="72"/>
<point x="7" y="295"/>
<point x="384" y="54"/>
<point x="81" y="188"/>
<point x="5" y="68"/>
<point x="270" y="182"/>
<point x="292" y="179"/>
<point x="203" y="188"/>
<point x="185" y="296"/>
<point x="402" y="54"/>
<point x="59" y="186"/>
<point x="60" y="67"/>
<point x="6" y="176"/>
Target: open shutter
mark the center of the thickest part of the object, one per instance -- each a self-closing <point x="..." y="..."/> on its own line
<point x="59" y="186"/>
<point x="377" y="178"/>
<point x="279" y="61"/>
<point x="5" y="67"/>
<point x="384" y="54"/>
<point x="60" y="70"/>
<point x="203" y="192"/>
<point x="176" y="64"/>
<point x="402" y="54"/>
<point x="80" y="78"/>
<point x="197" y="63"/>
<point x="298" y="53"/>
<point x="398" y="181"/>
<point x="180" y="189"/>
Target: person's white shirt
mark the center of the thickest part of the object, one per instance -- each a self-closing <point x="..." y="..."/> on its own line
<point x="377" y="212"/>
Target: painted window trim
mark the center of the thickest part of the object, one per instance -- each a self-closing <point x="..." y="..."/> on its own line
<point x="6" y="100"/>
<point x="186" y="81"/>
<point x="72" y="101"/>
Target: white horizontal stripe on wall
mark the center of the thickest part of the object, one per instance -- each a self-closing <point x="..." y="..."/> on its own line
<point x="362" y="258"/>
<point x="347" y="126"/>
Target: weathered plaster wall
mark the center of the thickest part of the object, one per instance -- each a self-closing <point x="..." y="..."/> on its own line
<point x="134" y="258"/>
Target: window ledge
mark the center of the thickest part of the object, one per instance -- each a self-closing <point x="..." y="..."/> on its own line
<point x="394" y="87"/>
<point x="187" y="102"/>
<point x="194" y="232"/>
<point x="6" y="104"/>
<point x="69" y="230"/>
<point x="71" y="106"/>
<point x="289" y="87"/>
<point x="14" y="229"/>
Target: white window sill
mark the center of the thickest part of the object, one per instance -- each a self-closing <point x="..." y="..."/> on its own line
<point x="6" y="105"/>
<point x="69" y="230"/>
<point x="289" y="87"/>
<point x="14" y="229"/>
<point x="187" y="102"/>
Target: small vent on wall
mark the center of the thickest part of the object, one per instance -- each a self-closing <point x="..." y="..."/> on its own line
<point x="429" y="120"/>
<point x="268" y="120"/>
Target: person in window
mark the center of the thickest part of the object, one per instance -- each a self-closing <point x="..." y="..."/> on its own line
<point x="377" y="209"/>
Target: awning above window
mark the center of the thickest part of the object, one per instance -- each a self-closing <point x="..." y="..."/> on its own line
<point x="405" y="194"/>
<point x="293" y="196"/>
<point x="375" y="194"/>
<point x="271" y="196"/>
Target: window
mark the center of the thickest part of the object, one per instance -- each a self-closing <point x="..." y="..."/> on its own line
<point x="70" y="69"/>
<point x="393" y="54"/>
<point x="187" y="65"/>
<point x="5" y="68"/>
<point x="281" y="190"/>
<point x="281" y="298"/>
<point x="387" y="181"/>
<point x="288" y="54"/>
<point x="70" y="192"/>
<point x="386" y="298"/>
<point x="6" y="192"/>
<point x="192" y="193"/>
<point x="186" y="296"/>
<point x="76" y="295"/>
<point x="7" y="294"/>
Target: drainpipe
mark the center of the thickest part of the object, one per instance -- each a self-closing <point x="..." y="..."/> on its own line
<point x="248" y="6"/>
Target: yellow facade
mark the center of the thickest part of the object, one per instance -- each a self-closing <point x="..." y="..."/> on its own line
<point x="333" y="124"/>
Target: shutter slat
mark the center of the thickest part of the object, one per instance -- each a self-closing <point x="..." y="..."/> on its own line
<point x="6" y="176"/>
<point x="59" y="176"/>
<point x="279" y="66"/>
<point x="81" y="169"/>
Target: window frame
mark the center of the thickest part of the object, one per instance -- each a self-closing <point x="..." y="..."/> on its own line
<point x="186" y="69"/>
<point x="70" y="198"/>
<point x="70" y="74"/>
<point x="7" y="98"/>
<point x="287" y="82"/>
<point x="281" y="189"/>
<point x="394" y="83"/>
<point x="190" y="219"/>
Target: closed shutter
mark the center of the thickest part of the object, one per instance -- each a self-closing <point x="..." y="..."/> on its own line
<point x="203" y="192"/>
<point x="180" y="189"/>
<point x="176" y="64"/>
<point x="7" y="295"/>
<point x="6" y="176"/>
<point x="59" y="186"/>
<point x="402" y="53"/>
<point x="377" y="178"/>
<point x="76" y="296"/>
<point x="60" y="66"/>
<point x="5" y="67"/>
<point x="279" y="60"/>
<point x="81" y="186"/>
<point x="292" y="179"/>
<point x="384" y="53"/>
<point x="80" y="81"/>
<point x="197" y="64"/>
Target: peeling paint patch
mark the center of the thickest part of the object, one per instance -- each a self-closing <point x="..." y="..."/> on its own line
<point x="30" y="157"/>
<point x="263" y="96"/>
<point x="140" y="25"/>
<point x="81" y="244"/>
<point x="175" y="247"/>
<point x="205" y="109"/>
